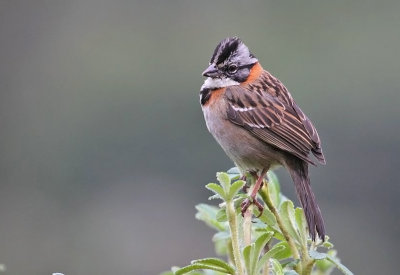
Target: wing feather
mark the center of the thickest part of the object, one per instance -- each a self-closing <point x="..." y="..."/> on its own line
<point x="275" y="119"/>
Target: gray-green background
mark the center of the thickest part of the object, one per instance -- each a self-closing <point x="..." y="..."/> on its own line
<point x="103" y="147"/>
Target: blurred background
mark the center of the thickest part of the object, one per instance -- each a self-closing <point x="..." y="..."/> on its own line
<point x="104" y="151"/>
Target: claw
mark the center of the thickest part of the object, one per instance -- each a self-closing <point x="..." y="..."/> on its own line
<point x="245" y="188"/>
<point x="246" y="204"/>
<point x="260" y="208"/>
<point x="252" y="200"/>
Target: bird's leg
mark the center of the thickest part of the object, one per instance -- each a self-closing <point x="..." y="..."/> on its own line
<point x="244" y="178"/>
<point x="247" y="202"/>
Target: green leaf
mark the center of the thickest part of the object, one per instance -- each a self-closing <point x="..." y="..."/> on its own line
<point x="189" y="268"/>
<point x="215" y="262"/>
<point x="224" y="180"/>
<point x="238" y="201"/>
<point x="208" y="272"/>
<point x="301" y="225"/>
<point x="317" y="255"/>
<point x="279" y="236"/>
<point x="270" y="254"/>
<point x="332" y="252"/>
<point x="235" y="187"/>
<point x="217" y="189"/>
<point x="274" y="188"/>
<point x="219" y="236"/>
<point x="291" y="264"/>
<point x="261" y="241"/>
<point x="222" y="247"/>
<point x="215" y="197"/>
<point x="234" y="173"/>
<point x="266" y="217"/>
<point x="207" y="214"/>
<point x="246" y="257"/>
<point x="288" y="219"/>
<point x="328" y="245"/>
<point x="258" y="247"/>
<point x="221" y="215"/>
<point x="265" y="227"/>
<point x="175" y="268"/>
<point x="276" y="267"/>
<point x="284" y="253"/>
<point x="339" y="265"/>
<point x="324" y="265"/>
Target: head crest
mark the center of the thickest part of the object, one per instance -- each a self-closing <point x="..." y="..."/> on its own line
<point x="232" y="48"/>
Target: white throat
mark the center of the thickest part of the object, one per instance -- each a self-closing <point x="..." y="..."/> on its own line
<point x="214" y="83"/>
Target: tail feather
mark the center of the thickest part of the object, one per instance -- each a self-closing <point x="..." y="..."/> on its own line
<point x="299" y="171"/>
<point x="319" y="155"/>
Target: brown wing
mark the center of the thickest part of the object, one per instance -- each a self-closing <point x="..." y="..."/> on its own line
<point x="274" y="118"/>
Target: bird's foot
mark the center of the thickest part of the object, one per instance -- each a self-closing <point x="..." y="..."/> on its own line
<point x="249" y="201"/>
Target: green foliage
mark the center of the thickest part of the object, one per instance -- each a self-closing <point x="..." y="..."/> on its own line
<point x="208" y="263"/>
<point x="280" y="242"/>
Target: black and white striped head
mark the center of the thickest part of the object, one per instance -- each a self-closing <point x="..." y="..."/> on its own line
<point x="230" y="64"/>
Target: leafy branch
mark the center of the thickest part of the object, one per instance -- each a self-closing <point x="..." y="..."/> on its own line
<point x="277" y="242"/>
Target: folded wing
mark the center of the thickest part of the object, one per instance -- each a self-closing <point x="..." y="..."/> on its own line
<point x="275" y="119"/>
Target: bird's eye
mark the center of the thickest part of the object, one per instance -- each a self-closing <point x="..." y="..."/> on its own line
<point x="232" y="68"/>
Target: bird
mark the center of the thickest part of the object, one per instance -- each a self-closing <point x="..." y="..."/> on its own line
<point x="256" y="121"/>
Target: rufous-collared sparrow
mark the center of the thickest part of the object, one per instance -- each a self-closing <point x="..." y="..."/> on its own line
<point x="254" y="118"/>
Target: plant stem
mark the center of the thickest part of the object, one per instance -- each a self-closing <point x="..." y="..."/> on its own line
<point x="233" y="226"/>
<point x="304" y="252"/>
<point x="307" y="263"/>
<point x="307" y="266"/>
<point x="247" y="226"/>
<point x="267" y="199"/>
<point x="230" y="252"/>
<point x="247" y="219"/>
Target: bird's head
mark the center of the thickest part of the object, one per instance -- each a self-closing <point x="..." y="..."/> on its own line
<point x="230" y="64"/>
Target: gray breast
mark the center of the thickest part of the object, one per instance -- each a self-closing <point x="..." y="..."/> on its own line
<point x="248" y="152"/>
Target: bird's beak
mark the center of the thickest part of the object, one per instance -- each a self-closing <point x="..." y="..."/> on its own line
<point x="211" y="71"/>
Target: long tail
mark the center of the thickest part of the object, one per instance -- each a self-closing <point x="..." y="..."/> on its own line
<point x="299" y="171"/>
